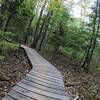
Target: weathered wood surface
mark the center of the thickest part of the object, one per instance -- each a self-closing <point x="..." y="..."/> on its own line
<point x="43" y="82"/>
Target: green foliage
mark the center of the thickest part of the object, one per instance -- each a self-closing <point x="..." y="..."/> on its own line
<point x="8" y="46"/>
<point x="72" y="40"/>
<point x="7" y="43"/>
<point x="2" y="58"/>
<point x="6" y="34"/>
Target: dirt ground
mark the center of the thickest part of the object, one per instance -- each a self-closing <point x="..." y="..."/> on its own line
<point x="12" y="70"/>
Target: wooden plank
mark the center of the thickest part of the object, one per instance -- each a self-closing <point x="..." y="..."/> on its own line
<point x="46" y="70"/>
<point x="48" y="66"/>
<point x="44" y="67"/>
<point x="7" y="97"/>
<point x="46" y="78"/>
<point x="49" y="70"/>
<point x="41" y="87"/>
<point x="41" y="92"/>
<point x="19" y="96"/>
<point x="37" y="81"/>
<point x="49" y="74"/>
<point x="49" y="82"/>
<point x="33" y="95"/>
<point x="42" y="74"/>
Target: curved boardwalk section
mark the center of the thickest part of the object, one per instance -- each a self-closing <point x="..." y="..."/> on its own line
<point x="43" y="82"/>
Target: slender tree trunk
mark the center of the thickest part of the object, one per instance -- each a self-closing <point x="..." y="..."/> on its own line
<point x="37" y="25"/>
<point x="40" y="33"/>
<point x="92" y="45"/>
<point x="86" y="57"/>
<point x="47" y="38"/>
<point x="6" y="23"/>
<point x="95" y="38"/>
<point x="55" y="52"/>
<point x="43" y="31"/>
<point x="27" y="29"/>
<point x="1" y="7"/>
<point x="7" y="19"/>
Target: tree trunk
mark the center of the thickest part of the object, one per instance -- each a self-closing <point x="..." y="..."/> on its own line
<point x="43" y="31"/>
<point x="37" y="25"/>
<point x="7" y="20"/>
<point x="47" y="38"/>
<point x="55" y="52"/>
<point x="27" y="29"/>
<point x="92" y="45"/>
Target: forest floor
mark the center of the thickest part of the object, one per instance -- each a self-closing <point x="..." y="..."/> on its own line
<point x="78" y="84"/>
<point x="12" y="70"/>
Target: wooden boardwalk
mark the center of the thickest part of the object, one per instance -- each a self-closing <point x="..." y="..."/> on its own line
<point x="43" y="82"/>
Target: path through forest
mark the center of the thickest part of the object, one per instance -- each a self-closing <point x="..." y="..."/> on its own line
<point x="43" y="82"/>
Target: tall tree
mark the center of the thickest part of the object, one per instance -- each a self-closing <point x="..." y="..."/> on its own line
<point x="45" y="24"/>
<point x="10" y="11"/>
<point x="32" y="6"/>
<point x="91" y="47"/>
<point x="37" y="25"/>
<point x="43" y="30"/>
<point x="28" y="29"/>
